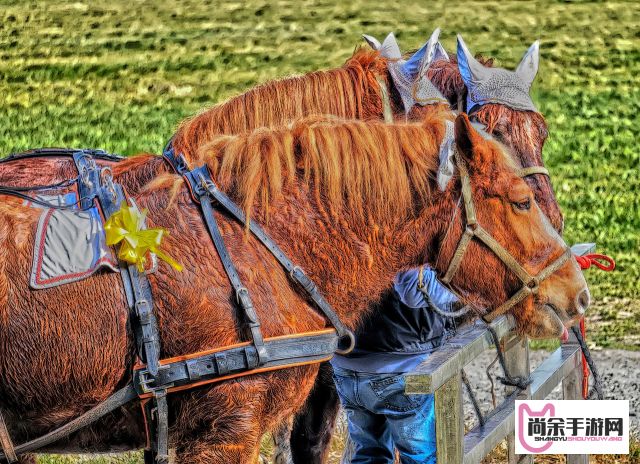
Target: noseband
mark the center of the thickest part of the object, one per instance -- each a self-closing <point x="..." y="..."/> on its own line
<point x="530" y="284"/>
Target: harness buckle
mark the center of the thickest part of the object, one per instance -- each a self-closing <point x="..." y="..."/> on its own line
<point x="298" y="275"/>
<point x="146" y="383"/>
<point x="240" y="294"/>
<point x="106" y="177"/>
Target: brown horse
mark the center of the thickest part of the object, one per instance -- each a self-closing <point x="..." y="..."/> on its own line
<point x="353" y="92"/>
<point x="353" y="203"/>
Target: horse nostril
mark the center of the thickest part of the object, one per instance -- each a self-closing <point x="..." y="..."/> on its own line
<point x="583" y="300"/>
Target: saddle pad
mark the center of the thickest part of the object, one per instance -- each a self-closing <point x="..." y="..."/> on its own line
<point x="70" y="244"/>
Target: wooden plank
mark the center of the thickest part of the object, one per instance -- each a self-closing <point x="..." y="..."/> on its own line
<point x="479" y="441"/>
<point x="449" y="421"/>
<point x="582" y="249"/>
<point x="555" y="368"/>
<point x="517" y="362"/>
<point x="447" y="361"/>
<point x="572" y="390"/>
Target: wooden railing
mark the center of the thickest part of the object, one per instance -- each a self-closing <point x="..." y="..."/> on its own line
<point x="441" y="375"/>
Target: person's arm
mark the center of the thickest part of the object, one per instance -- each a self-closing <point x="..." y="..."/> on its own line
<point x="406" y="285"/>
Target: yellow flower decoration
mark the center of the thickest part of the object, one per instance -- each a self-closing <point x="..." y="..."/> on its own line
<point x="126" y="227"/>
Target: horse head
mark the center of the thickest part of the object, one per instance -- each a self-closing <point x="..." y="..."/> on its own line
<point x="499" y="99"/>
<point x="513" y="259"/>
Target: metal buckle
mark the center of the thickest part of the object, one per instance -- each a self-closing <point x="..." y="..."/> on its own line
<point x="240" y="292"/>
<point x="106" y="177"/>
<point x="145" y="379"/>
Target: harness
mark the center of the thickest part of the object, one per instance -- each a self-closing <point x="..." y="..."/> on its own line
<point x="154" y="378"/>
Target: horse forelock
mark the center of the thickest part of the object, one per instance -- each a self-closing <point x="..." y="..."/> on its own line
<point x="345" y="92"/>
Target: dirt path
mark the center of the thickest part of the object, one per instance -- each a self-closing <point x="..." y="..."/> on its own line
<point x="619" y="369"/>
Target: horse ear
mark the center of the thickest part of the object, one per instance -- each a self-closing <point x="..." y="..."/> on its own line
<point x="372" y="41"/>
<point x="467" y="138"/>
<point x="420" y="60"/>
<point x="389" y="48"/>
<point x="471" y="70"/>
<point x="440" y="53"/>
<point x="528" y="67"/>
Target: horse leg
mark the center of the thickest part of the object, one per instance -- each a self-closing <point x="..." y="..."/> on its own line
<point x="282" y="441"/>
<point x="211" y="449"/>
<point x="314" y="424"/>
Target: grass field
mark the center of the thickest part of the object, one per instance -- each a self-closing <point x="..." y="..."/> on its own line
<point x="121" y="75"/>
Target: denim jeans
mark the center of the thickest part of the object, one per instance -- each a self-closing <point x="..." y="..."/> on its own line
<point x="381" y="417"/>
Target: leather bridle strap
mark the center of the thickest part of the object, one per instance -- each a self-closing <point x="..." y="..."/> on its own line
<point x="532" y="170"/>
<point x="530" y="284"/>
<point x="387" y="112"/>
<point x="202" y="185"/>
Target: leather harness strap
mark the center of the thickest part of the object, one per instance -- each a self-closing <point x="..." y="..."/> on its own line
<point x="530" y="284"/>
<point x="199" y="188"/>
<point x="201" y="184"/>
<point x="97" y="184"/>
<point x="6" y="444"/>
<point x="115" y="401"/>
<point x="212" y="366"/>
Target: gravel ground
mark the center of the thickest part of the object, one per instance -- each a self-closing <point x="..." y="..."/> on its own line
<point x="619" y="370"/>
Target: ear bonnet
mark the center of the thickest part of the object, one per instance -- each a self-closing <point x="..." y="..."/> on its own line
<point x="497" y="85"/>
<point x="410" y="76"/>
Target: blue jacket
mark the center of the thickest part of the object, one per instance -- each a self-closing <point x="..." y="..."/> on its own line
<point x="401" y="330"/>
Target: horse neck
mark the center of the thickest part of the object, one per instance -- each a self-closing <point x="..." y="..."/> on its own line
<point x="353" y="262"/>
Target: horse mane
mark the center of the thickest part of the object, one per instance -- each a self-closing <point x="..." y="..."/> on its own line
<point x="517" y="121"/>
<point x="375" y="171"/>
<point x="345" y="92"/>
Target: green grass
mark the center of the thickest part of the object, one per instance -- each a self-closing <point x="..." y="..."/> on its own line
<point x="121" y="75"/>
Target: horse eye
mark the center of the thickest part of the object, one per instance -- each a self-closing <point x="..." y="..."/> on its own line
<point x="523" y="205"/>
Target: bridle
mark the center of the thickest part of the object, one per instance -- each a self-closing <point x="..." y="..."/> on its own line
<point x="530" y="284"/>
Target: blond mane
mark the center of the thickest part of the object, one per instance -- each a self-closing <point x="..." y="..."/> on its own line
<point x="371" y="169"/>
<point x="350" y="92"/>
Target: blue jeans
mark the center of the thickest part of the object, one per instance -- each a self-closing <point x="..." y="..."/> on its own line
<point x="381" y="417"/>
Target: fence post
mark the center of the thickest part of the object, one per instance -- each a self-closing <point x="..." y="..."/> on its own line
<point x="450" y="421"/>
<point x="517" y="362"/>
<point x="572" y="390"/>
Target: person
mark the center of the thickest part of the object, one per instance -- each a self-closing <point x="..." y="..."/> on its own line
<point x="399" y="335"/>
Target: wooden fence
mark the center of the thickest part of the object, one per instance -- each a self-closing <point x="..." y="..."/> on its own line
<point x="441" y="374"/>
